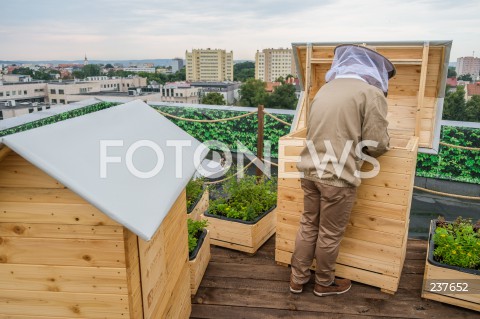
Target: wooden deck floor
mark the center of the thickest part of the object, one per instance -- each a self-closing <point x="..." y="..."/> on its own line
<point x="238" y="286"/>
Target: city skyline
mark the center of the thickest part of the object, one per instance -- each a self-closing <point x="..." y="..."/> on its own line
<point x="120" y="30"/>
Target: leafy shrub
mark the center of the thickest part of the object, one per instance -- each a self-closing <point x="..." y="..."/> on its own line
<point x="58" y="117"/>
<point x="457" y="243"/>
<point x="245" y="198"/>
<point x="194" y="191"/>
<point x="195" y="229"/>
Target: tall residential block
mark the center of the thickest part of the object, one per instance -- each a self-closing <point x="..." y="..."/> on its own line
<point x="270" y="64"/>
<point x="209" y="65"/>
<point x="468" y="65"/>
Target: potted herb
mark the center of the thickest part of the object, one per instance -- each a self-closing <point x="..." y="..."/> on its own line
<point x="452" y="268"/>
<point x="197" y="198"/>
<point x="243" y="216"/>
<point x="199" y="251"/>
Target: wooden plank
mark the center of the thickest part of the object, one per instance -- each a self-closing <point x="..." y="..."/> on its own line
<point x="61" y="231"/>
<point x="64" y="252"/>
<point x="23" y="174"/>
<point x="179" y="303"/>
<point x="133" y="279"/>
<point x="40" y="195"/>
<point x="63" y="304"/>
<point x="355" y="274"/>
<point x="40" y="278"/>
<point x="308" y="81"/>
<point x="387" y="210"/>
<point x="163" y="259"/>
<point x="383" y="194"/>
<point x="422" y="86"/>
<point x="201" y="207"/>
<point x="198" y="265"/>
<point x="4" y="152"/>
<point x="49" y="213"/>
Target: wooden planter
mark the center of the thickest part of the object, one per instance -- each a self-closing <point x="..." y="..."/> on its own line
<point x="61" y="257"/>
<point x="200" y="206"/>
<point x="373" y="249"/>
<point x="238" y="235"/>
<point x="437" y="273"/>
<point x="198" y="265"/>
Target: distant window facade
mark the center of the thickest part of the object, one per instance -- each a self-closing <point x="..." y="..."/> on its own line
<point x="61" y="91"/>
<point x="53" y="91"/>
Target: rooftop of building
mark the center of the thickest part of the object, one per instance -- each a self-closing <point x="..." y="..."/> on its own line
<point x="6" y="105"/>
<point x="473" y="89"/>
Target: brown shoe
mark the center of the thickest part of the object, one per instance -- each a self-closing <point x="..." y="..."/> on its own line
<point x="295" y="288"/>
<point x="339" y="286"/>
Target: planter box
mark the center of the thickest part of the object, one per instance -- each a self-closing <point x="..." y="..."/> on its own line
<point x="199" y="207"/>
<point x="198" y="264"/>
<point x="436" y="273"/>
<point x="239" y="235"/>
<point x="373" y="249"/>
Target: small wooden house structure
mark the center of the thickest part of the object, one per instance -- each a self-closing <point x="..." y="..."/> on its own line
<point x="84" y="233"/>
<point x="373" y="250"/>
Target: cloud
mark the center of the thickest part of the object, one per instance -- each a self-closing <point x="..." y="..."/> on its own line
<point x="120" y="29"/>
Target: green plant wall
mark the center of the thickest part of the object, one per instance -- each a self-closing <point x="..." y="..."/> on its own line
<point x="243" y="130"/>
<point x="453" y="163"/>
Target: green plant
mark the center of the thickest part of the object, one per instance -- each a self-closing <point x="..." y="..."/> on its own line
<point x="243" y="130"/>
<point x="457" y="243"/>
<point x="195" y="229"/>
<point x="194" y="191"/>
<point x="453" y="163"/>
<point x="246" y="198"/>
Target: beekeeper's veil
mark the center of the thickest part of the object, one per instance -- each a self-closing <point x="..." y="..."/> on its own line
<point x="357" y="60"/>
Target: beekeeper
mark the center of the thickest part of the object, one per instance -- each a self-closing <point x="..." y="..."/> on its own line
<point x="347" y="123"/>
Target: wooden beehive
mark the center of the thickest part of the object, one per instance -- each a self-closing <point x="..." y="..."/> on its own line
<point x="373" y="250"/>
<point x="61" y="257"/>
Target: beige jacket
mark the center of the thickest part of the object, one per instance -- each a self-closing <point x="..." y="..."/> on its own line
<point x="344" y="112"/>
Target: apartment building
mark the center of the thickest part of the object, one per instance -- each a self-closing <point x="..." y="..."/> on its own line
<point x="270" y="64"/>
<point x="468" y="65"/>
<point x="13" y="109"/>
<point x="139" y="69"/>
<point x="34" y="91"/>
<point x="209" y="65"/>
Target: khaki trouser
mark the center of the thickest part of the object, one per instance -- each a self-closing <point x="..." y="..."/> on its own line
<point x="326" y="214"/>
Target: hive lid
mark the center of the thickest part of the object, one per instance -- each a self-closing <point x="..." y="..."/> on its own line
<point x="70" y="151"/>
<point x="416" y="93"/>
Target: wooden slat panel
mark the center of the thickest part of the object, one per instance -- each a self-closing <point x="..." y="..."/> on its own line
<point x="163" y="259"/>
<point x="94" y="280"/>
<point x="61" y="231"/>
<point x="40" y="195"/>
<point x="65" y="252"/>
<point x="26" y="176"/>
<point x="133" y="279"/>
<point x="383" y="194"/>
<point x="179" y="305"/>
<point x="64" y="214"/>
<point x="373" y="207"/>
<point x="62" y="304"/>
<point x="355" y="274"/>
<point x="380" y="230"/>
<point x="198" y="265"/>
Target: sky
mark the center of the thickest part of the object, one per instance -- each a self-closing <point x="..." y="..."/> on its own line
<point x="150" y="29"/>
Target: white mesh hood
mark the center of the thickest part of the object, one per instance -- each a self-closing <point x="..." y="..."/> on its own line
<point x="369" y="65"/>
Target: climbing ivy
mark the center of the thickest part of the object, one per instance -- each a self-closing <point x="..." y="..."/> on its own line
<point x="243" y="130"/>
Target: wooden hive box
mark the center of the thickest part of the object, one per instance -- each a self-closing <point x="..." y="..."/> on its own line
<point x="62" y="257"/>
<point x="373" y="249"/>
